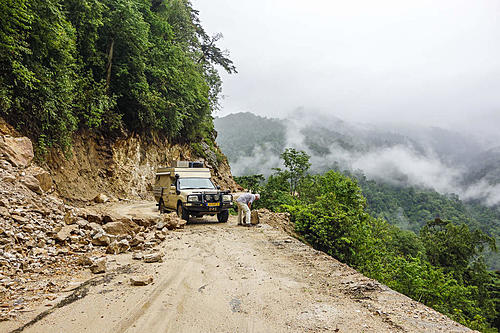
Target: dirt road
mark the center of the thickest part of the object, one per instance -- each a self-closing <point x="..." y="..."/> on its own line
<point x="220" y="277"/>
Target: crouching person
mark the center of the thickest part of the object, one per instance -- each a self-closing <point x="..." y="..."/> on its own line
<point x="244" y="203"/>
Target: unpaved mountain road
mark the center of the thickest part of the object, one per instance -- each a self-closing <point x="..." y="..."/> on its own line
<point x="220" y="277"/>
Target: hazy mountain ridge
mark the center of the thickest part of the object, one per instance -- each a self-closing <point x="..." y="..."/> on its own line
<point x="435" y="158"/>
<point x="409" y="176"/>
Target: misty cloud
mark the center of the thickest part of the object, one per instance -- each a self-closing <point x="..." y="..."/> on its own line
<point x="432" y="63"/>
<point x="400" y="164"/>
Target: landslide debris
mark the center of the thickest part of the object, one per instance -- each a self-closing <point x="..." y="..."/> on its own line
<point x="43" y="240"/>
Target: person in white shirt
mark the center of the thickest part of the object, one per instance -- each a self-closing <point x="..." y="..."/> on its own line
<point x="244" y="203"/>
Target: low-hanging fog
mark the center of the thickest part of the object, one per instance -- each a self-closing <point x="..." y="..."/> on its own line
<point x="423" y="157"/>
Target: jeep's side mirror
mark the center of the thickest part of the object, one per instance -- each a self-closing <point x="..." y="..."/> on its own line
<point x="218" y="187"/>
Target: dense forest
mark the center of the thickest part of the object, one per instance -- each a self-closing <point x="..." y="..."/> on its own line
<point x="440" y="264"/>
<point x="409" y="208"/>
<point x="109" y="66"/>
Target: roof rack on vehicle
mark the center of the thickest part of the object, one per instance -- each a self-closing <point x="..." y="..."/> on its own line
<point x="188" y="164"/>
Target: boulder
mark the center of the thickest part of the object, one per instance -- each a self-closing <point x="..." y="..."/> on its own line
<point x="143" y="280"/>
<point x="43" y="177"/>
<point x="137" y="256"/>
<point x="160" y="236"/>
<point x="170" y="221"/>
<point x="19" y="219"/>
<point x="96" y="228"/>
<point x="84" y="260"/>
<point x="63" y="234"/>
<point x="101" y="198"/>
<point x="153" y="257"/>
<point x="117" y="247"/>
<point x="254" y="218"/>
<point x="122" y="227"/>
<point x="137" y="240"/>
<point x="92" y="218"/>
<point x="98" y="266"/>
<point x="32" y="183"/>
<point x="18" y="151"/>
<point x="144" y="222"/>
<point x="8" y="178"/>
<point x="107" y="219"/>
<point x="82" y="223"/>
<point x="70" y="217"/>
<point x="101" y="239"/>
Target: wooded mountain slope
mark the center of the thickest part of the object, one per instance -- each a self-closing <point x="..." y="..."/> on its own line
<point x="107" y="65"/>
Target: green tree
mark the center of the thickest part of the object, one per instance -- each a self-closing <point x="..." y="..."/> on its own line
<point x="297" y="164"/>
<point x="453" y="247"/>
<point x="252" y="182"/>
<point x="137" y="65"/>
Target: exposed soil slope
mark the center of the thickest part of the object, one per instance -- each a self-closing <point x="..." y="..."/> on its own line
<point x="123" y="167"/>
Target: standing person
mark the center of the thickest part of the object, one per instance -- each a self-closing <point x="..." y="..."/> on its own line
<point x="244" y="203"/>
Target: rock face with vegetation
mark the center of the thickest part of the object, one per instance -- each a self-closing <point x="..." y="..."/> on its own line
<point x="111" y="67"/>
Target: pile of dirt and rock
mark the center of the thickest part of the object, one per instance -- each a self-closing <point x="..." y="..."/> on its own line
<point x="42" y="238"/>
<point x="278" y="220"/>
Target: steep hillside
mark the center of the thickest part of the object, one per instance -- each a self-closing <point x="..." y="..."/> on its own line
<point x="240" y="134"/>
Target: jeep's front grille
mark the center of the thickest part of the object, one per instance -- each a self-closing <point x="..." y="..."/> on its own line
<point x="212" y="197"/>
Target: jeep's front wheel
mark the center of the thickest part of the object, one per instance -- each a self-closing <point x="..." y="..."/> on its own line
<point x="223" y="216"/>
<point x="182" y="213"/>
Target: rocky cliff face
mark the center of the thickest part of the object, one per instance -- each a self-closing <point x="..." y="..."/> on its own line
<point x="122" y="168"/>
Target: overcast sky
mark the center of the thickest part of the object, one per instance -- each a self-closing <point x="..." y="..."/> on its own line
<point x="428" y="62"/>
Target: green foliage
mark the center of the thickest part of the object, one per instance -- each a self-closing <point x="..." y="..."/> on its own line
<point x="441" y="266"/>
<point x="274" y="194"/>
<point x="252" y="183"/>
<point x="104" y="65"/>
<point x="332" y="227"/>
<point x="297" y="164"/>
<point x="453" y="247"/>
<point x="410" y="208"/>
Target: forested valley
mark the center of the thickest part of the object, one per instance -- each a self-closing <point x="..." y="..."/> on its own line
<point x="434" y="247"/>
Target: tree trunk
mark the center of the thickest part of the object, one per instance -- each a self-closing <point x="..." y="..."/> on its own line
<point x="110" y="60"/>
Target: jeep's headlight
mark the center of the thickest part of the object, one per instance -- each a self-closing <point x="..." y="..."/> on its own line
<point x="193" y="198"/>
<point x="227" y="197"/>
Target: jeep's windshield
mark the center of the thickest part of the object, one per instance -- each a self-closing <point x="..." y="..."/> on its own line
<point x="194" y="183"/>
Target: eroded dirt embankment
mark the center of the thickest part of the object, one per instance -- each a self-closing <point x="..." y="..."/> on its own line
<point x="124" y="167"/>
<point x="219" y="277"/>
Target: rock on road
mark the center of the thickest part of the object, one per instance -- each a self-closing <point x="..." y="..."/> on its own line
<point x="220" y="277"/>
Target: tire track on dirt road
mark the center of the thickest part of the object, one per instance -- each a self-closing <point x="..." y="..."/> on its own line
<point x="153" y="304"/>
